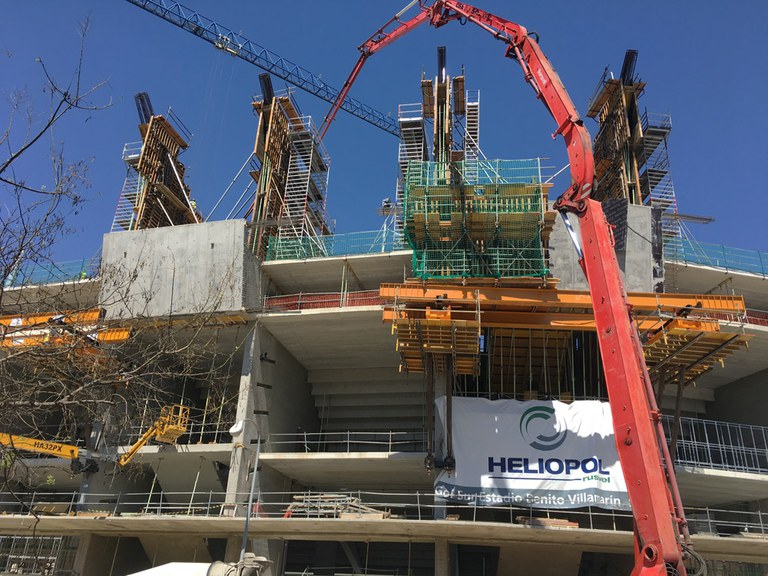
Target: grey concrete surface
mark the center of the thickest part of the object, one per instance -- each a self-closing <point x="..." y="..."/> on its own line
<point x="735" y="548"/>
<point x="178" y="270"/>
<point x="742" y="401"/>
<point x="634" y="233"/>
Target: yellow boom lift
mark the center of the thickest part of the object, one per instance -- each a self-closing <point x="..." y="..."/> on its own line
<point x="171" y="424"/>
<point x="166" y="429"/>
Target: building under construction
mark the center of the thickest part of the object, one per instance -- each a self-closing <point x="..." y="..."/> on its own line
<point x="321" y="404"/>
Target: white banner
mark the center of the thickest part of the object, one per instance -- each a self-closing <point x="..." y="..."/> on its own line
<point x="539" y="454"/>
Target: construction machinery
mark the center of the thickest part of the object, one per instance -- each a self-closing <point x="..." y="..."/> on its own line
<point x="661" y="534"/>
<point x="81" y="460"/>
<point x="250" y="565"/>
<point x="171" y="424"/>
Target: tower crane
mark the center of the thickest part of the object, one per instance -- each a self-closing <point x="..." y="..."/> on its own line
<point x="241" y="47"/>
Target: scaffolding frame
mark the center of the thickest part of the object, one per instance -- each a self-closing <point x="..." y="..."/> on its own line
<point x="487" y="223"/>
<point x="292" y="171"/>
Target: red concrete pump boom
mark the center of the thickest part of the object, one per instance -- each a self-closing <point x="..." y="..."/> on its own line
<point x="661" y="534"/>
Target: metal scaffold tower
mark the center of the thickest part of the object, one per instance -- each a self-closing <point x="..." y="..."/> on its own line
<point x="303" y="214"/>
<point x="472" y="135"/>
<point x="125" y="214"/>
<point x="631" y="152"/>
<point x="656" y="180"/>
<point x="412" y="147"/>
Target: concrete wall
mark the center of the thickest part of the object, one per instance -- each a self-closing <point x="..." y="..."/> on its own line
<point x="179" y="270"/>
<point x="638" y="248"/>
<point x="742" y="401"/>
<point x="291" y="404"/>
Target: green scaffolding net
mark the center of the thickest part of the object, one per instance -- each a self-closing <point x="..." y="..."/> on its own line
<point x="475" y="219"/>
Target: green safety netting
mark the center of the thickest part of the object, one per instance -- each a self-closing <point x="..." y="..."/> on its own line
<point x="475" y="218"/>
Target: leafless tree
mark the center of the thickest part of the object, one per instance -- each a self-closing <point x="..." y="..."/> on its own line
<point x="58" y="377"/>
<point x="32" y="213"/>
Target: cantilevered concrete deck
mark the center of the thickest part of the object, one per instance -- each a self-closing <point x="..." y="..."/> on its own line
<point x="742" y="548"/>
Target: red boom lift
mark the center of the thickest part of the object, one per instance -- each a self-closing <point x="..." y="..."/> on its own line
<point x="661" y="534"/>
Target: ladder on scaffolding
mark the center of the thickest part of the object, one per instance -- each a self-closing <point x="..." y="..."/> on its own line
<point x="472" y="137"/>
<point x="412" y="147"/>
<point x="125" y="213"/>
<point x="656" y="180"/>
<point x="302" y="219"/>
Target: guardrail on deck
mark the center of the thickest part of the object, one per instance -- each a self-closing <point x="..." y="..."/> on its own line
<point x="717" y="256"/>
<point x="53" y="272"/>
<point x="701" y="443"/>
<point x="413" y="505"/>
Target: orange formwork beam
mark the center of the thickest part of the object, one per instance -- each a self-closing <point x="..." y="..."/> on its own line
<point x="58" y="329"/>
<point x="39" y="338"/>
<point x="489" y="296"/>
<point x="525" y="320"/>
<point x="16" y="321"/>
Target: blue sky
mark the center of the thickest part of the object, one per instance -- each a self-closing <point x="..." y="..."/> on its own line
<point x="703" y="62"/>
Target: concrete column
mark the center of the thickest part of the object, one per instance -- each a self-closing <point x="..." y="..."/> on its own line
<point x="442" y="385"/>
<point x="253" y="410"/>
<point x="443" y="558"/>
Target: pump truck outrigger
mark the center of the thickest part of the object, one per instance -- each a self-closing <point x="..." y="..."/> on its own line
<point x="662" y="539"/>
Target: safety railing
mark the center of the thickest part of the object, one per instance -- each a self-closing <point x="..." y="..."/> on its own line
<point x="314" y="300"/>
<point x="412" y="505"/>
<point x="756" y="317"/>
<point x="53" y="272"/>
<point x="412" y="111"/>
<point x="717" y="256"/>
<point x="656" y="120"/>
<point x="197" y="433"/>
<point x="350" y="244"/>
<point x="132" y="151"/>
<point x="701" y="443"/>
<point x="348" y="442"/>
<point x="720" y="445"/>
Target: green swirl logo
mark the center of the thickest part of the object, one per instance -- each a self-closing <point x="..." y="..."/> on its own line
<point x="542" y="441"/>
